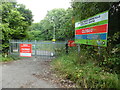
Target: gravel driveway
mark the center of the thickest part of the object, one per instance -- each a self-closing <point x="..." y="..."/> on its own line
<point x="27" y="73"/>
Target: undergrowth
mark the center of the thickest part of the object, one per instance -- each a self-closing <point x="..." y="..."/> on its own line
<point x="83" y="71"/>
<point x="9" y="58"/>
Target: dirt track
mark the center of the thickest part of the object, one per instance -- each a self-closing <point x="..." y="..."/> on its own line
<point x="27" y="73"/>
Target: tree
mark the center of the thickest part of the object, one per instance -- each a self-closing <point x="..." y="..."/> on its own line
<point x="82" y="10"/>
<point x="59" y="20"/>
<point x="15" y="23"/>
<point x="34" y="31"/>
<point x="110" y="56"/>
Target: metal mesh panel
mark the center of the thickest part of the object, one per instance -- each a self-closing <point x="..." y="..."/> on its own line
<point x="40" y="49"/>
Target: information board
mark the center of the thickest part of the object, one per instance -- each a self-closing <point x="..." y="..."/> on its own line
<point x="92" y="31"/>
<point x="25" y="50"/>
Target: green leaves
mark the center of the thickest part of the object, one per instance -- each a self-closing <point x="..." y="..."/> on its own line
<point x="14" y="23"/>
<point x="85" y="75"/>
<point x="59" y="20"/>
<point x="82" y="10"/>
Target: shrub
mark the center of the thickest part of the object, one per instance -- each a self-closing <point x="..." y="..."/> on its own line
<point x="84" y="71"/>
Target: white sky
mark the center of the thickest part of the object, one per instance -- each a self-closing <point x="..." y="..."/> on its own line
<point x="39" y="8"/>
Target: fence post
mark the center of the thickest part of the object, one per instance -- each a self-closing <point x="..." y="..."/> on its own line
<point x="35" y="50"/>
<point x="9" y="47"/>
<point x="78" y="48"/>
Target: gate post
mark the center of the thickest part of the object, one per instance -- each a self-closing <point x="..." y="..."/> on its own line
<point x="35" y="50"/>
<point x="9" y="47"/>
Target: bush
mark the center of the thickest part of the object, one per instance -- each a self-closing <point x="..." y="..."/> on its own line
<point x="84" y="71"/>
<point x="9" y="58"/>
<point x="6" y="59"/>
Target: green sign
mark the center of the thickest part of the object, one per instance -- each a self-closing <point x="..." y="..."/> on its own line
<point x="92" y="31"/>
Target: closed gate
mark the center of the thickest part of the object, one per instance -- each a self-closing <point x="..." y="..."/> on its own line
<point x="40" y="49"/>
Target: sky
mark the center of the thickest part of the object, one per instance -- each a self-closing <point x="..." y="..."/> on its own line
<point x="39" y="8"/>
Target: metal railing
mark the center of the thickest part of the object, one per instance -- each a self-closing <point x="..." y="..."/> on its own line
<point x="40" y="49"/>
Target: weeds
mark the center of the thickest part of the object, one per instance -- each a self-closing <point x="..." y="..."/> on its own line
<point x="10" y="58"/>
<point x="84" y="71"/>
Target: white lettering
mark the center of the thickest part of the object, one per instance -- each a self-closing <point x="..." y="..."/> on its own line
<point x="87" y="30"/>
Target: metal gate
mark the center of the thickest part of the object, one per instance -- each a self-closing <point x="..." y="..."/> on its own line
<point x="40" y="49"/>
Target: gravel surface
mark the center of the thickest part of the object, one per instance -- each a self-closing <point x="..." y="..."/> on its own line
<point x="28" y="73"/>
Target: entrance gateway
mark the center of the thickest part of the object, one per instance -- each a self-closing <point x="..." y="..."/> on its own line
<point x="38" y="49"/>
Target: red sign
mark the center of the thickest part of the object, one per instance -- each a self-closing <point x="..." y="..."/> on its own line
<point x="25" y="50"/>
<point x="92" y="30"/>
<point x="71" y="43"/>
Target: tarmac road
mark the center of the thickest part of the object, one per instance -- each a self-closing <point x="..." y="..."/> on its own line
<point x="27" y="73"/>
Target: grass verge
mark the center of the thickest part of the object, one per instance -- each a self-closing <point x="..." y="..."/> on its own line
<point x="10" y="58"/>
<point x="84" y="71"/>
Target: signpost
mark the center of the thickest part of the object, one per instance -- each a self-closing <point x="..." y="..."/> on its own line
<point x="25" y="50"/>
<point x="92" y="31"/>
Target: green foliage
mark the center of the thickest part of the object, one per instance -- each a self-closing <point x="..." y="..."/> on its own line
<point x="111" y="60"/>
<point x="107" y="57"/>
<point x="35" y="31"/>
<point x="3" y="59"/>
<point x="94" y="67"/>
<point x="83" y="10"/>
<point x="8" y="58"/>
<point x="84" y="72"/>
<point x="59" y="20"/>
<point x="15" y="22"/>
